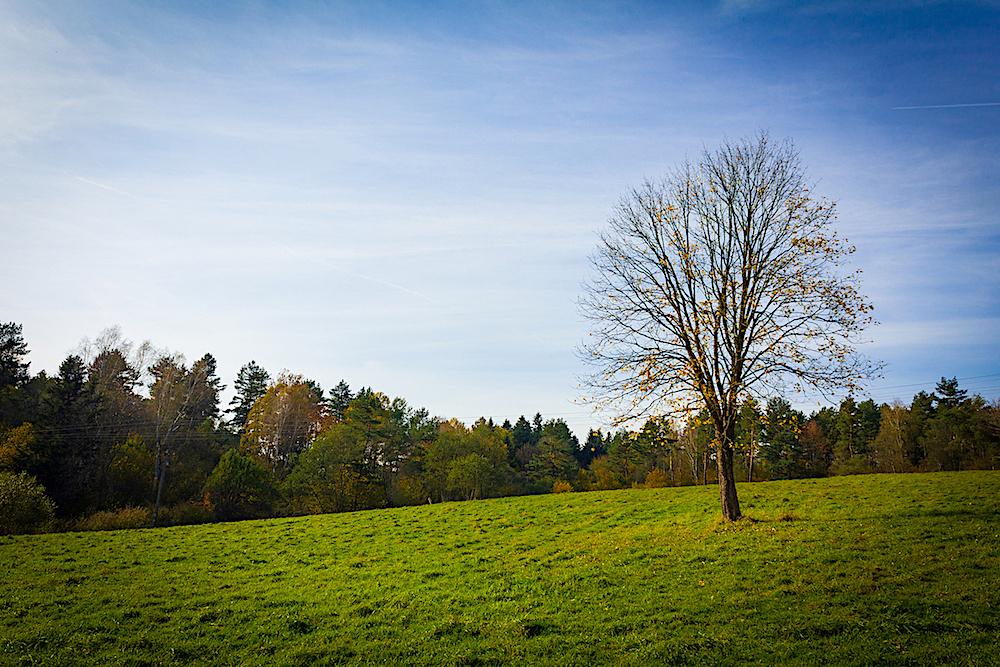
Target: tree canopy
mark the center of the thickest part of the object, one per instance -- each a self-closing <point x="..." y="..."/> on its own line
<point x="722" y="281"/>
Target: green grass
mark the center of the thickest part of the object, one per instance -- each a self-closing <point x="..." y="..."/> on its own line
<point x="891" y="569"/>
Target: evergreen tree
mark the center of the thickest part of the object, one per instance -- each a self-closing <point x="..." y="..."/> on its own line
<point x="658" y="442"/>
<point x="553" y="462"/>
<point x="206" y="391"/>
<point x="536" y="428"/>
<point x="780" y="447"/>
<point x="316" y="389"/>
<point x="854" y="428"/>
<point x="948" y="435"/>
<point x="560" y="429"/>
<point x="70" y="422"/>
<point x="13" y="350"/>
<point x="251" y="383"/>
<point x="629" y="456"/>
<point x="592" y="448"/>
<point x="521" y="432"/>
<point x="948" y="395"/>
<point x="340" y="398"/>
<point x="522" y="438"/>
<point x="869" y="418"/>
<point x="921" y="412"/>
<point x="13" y="375"/>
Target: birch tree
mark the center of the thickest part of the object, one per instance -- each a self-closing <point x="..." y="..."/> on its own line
<point x="179" y="400"/>
<point x="282" y="423"/>
<point x="724" y="280"/>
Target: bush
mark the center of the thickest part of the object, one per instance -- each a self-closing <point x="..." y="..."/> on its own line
<point x="410" y="490"/>
<point x="562" y="486"/>
<point x="239" y="488"/>
<point x="120" y="519"/>
<point x="17" y="447"/>
<point x="131" y="473"/>
<point x="185" y="514"/>
<point x="24" y="507"/>
<point x="856" y="465"/>
<point x="656" y="478"/>
<point x="605" y="476"/>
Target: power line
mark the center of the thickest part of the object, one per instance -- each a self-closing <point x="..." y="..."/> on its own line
<point x="136" y="422"/>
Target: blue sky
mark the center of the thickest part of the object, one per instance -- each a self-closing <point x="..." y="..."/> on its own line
<point x="405" y="196"/>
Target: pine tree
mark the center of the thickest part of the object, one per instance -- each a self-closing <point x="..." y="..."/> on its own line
<point x="13" y="376"/>
<point x="13" y="350"/>
<point x="251" y="383"/>
<point x="340" y="398"/>
<point x="523" y="443"/>
<point x="781" y="448"/>
<point x="70" y="409"/>
<point x="948" y="394"/>
<point x="592" y="448"/>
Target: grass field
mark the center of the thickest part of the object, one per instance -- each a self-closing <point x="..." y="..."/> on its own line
<point x="894" y="569"/>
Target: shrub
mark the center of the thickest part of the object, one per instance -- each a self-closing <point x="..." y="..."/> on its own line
<point x="17" y="447"/>
<point x="24" y="507"/>
<point x="605" y="475"/>
<point x="239" y="488"/>
<point x="656" y="478"/>
<point x="410" y="490"/>
<point x="185" y="514"/>
<point x="120" y="519"/>
<point x="855" y="465"/>
<point x="131" y="472"/>
<point x="562" y="486"/>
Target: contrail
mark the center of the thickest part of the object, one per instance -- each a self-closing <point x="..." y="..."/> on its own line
<point x="384" y="283"/>
<point x="103" y="186"/>
<point x="378" y="281"/>
<point x="949" y="106"/>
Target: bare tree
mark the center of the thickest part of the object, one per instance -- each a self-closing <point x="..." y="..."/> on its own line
<point x="723" y="281"/>
<point x="179" y="400"/>
<point x="138" y="355"/>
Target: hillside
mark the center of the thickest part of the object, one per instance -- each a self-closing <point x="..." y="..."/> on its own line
<point x="899" y="569"/>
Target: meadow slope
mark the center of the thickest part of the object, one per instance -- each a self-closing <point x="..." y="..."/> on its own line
<point x="896" y="569"/>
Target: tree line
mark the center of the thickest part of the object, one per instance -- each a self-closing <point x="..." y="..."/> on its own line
<point x="124" y="435"/>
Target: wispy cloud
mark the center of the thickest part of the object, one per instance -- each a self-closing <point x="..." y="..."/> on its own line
<point x="948" y="106"/>
<point x="310" y="257"/>
<point x="933" y="333"/>
<point x="104" y="186"/>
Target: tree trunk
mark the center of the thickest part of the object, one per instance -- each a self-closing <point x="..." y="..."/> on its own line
<point x="727" y="482"/>
<point x="161" y="476"/>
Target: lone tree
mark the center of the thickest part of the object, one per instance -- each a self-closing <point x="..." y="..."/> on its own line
<point x="723" y="281"/>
